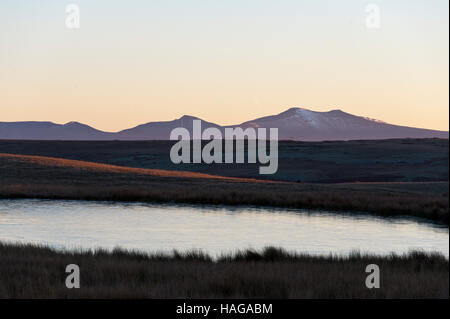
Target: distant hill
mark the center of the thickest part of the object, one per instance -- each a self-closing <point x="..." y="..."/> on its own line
<point x="161" y="130"/>
<point x="294" y="124"/>
<point x="305" y="125"/>
<point x="51" y="131"/>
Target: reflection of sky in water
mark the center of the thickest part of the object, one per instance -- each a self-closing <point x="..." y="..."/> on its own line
<point x="151" y="227"/>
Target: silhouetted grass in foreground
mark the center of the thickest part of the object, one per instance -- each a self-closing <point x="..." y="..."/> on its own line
<point x="28" y="271"/>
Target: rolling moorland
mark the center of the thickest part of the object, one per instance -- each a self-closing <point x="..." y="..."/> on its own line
<point x="401" y="160"/>
<point x="119" y="171"/>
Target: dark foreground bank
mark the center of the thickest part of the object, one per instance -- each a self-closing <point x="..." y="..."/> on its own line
<point x="28" y="271"/>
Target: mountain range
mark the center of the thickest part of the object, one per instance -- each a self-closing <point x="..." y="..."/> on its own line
<point x="293" y="124"/>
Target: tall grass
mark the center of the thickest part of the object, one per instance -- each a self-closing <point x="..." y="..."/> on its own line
<point x="29" y="271"/>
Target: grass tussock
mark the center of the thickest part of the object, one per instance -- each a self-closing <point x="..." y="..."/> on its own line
<point x="30" y="271"/>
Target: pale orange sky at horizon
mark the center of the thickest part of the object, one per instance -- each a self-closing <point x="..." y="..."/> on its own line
<point x="132" y="63"/>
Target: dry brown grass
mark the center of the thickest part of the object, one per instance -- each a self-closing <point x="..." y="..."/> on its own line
<point x="39" y="177"/>
<point x="38" y="272"/>
<point x="43" y="161"/>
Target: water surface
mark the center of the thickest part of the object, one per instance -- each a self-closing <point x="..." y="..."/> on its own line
<point x="152" y="227"/>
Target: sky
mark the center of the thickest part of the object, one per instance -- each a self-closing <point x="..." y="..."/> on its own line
<point x="133" y="62"/>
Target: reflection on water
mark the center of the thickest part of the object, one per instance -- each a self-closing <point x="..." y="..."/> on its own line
<point x="149" y="227"/>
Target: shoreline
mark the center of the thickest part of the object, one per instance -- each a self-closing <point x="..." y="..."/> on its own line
<point x="301" y="210"/>
<point x="218" y="257"/>
<point x="311" y="201"/>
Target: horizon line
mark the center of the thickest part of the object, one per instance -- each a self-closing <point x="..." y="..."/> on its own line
<point x="230" y="125"/>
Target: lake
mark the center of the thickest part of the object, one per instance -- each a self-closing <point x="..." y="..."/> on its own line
<point x="214" y="229"/>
